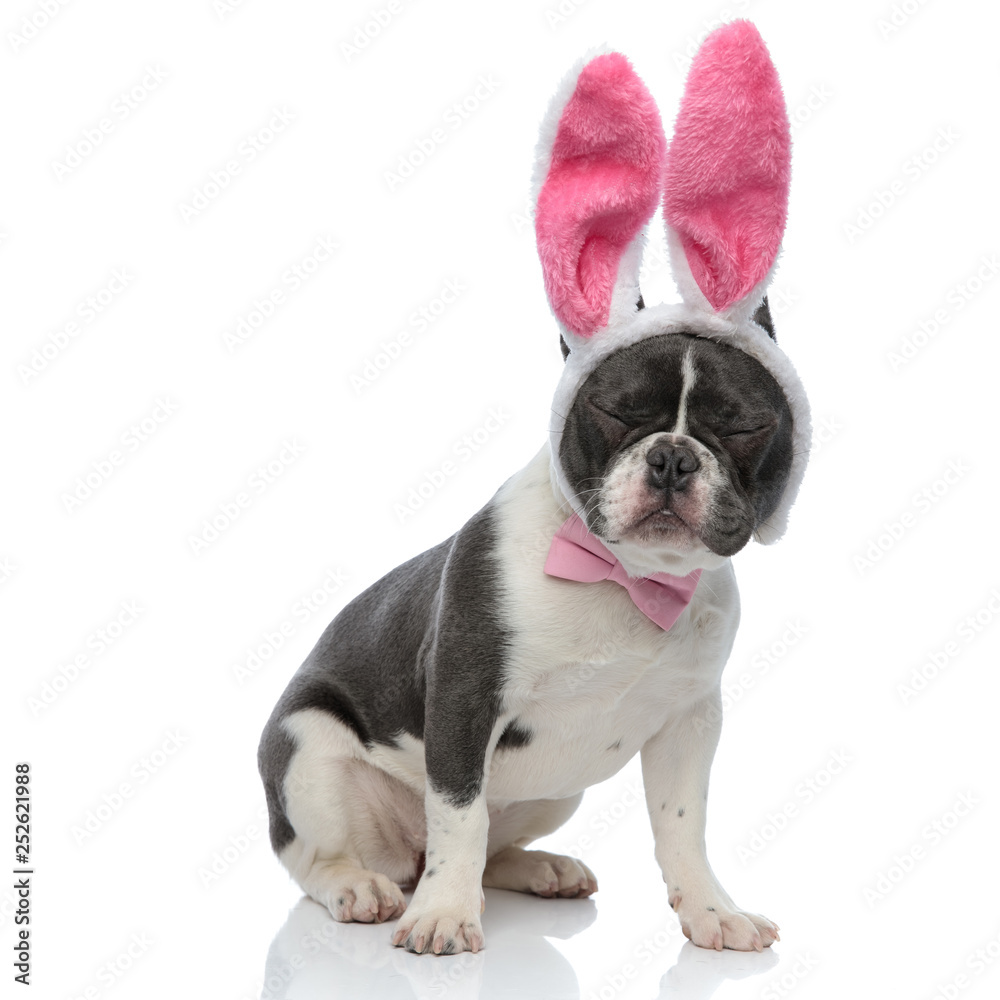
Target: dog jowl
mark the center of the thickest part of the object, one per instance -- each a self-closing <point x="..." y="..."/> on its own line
<point x="457" y="710"/>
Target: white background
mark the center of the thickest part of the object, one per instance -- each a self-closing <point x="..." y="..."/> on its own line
<point x="143" y="758"/>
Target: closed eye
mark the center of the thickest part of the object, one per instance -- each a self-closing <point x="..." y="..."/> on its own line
<point x="745" y="431"/>
<point x="631" y="420"/>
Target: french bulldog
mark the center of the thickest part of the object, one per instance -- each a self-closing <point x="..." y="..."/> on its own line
<point x="457" y="709"/>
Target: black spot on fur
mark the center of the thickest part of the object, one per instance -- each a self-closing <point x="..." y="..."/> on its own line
<point x="430" y="873"/>
<point x="514" y="736"/>
<point x="639" y="306"/>
<point x="617" y="745"/>
<point x="680" y="812"/>
<point x="762" y="317"/>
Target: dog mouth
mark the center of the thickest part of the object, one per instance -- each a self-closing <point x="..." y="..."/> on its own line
<point x="661" y="522"/>
<point x="663" y="517"/>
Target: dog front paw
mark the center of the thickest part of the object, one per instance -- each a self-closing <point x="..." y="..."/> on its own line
<point x="441" y="931"/>
<point x="716" y="924"/>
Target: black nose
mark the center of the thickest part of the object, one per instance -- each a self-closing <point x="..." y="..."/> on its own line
<point x="671" y="466"/>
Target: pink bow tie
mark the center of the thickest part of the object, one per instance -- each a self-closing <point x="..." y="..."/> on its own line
<point x="576" y="554"/>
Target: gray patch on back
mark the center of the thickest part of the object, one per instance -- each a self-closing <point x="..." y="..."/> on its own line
<point x="432" y="625"/>
<point x="273" y="757"/>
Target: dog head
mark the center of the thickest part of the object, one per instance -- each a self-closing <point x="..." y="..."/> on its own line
<point x="679" y="431"/>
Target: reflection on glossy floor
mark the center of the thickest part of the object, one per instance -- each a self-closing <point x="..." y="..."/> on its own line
<point x="312" y="956"/>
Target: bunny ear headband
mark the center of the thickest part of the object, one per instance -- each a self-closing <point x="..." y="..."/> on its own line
<point x="602" y="166"/>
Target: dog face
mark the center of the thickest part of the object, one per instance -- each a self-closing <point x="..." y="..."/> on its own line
<point x="679" y="444"/>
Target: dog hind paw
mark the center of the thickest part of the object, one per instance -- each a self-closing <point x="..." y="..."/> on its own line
<point x="538" y="872"/>
<point x="356" y="894"/>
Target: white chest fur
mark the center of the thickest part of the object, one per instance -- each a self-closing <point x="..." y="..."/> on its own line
<point x="592" y="677"/>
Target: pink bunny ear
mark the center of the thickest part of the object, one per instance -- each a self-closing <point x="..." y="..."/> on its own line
<point x="602" y="183"/>
<point x="729" y="165"/>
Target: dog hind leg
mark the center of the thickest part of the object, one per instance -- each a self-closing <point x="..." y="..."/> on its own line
<point x="359" y="833"/>
<point x="510" y="866"/>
